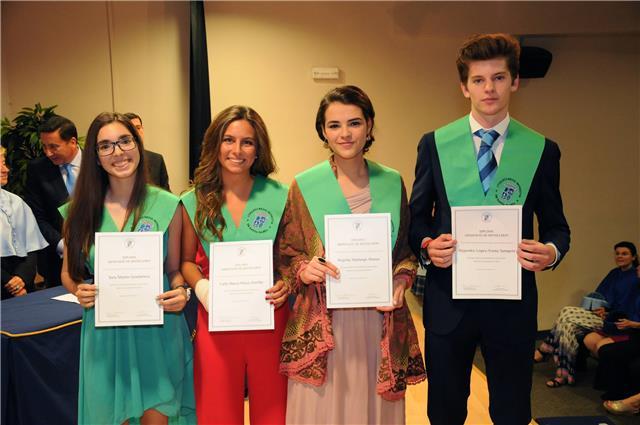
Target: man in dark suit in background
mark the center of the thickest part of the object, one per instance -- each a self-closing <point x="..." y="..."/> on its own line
<point x="485" y="158"/>
<point x="50" y="182"/>
<point x="157" y="168"/>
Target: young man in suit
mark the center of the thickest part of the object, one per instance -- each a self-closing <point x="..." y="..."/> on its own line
<point x="157" y="168"/>
<point x="50" y="181"/>
<point x="484" y="158"/>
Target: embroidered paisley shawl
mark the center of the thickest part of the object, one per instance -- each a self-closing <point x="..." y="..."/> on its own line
<point x="308" y="337"/>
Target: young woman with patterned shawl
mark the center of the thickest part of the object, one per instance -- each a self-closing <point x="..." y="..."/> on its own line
<point x="345" y="365"/>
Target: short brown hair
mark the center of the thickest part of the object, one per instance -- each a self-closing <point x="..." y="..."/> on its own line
<point x="489" y="46"/>
<point x="347" y="95"/>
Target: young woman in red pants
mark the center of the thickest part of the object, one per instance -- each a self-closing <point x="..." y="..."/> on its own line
<point x="233" y="199"/>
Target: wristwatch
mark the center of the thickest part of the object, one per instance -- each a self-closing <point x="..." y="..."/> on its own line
<point x="186" y="288"/>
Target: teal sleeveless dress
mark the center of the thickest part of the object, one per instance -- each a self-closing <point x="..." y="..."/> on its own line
<point x="127" y="370"/>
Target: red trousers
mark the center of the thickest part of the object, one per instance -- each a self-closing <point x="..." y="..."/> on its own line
<point x="221" y="361"/>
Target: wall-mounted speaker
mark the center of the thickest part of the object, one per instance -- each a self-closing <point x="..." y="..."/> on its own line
<point x="534" y="62"/>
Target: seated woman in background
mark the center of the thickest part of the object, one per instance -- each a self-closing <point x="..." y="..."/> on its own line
<point x="128" y="374"/>
<point x="623" y="317"/>
<point x="617" y="345"/>
<point x="573" y="322"/>
<point x="21" y="238"/>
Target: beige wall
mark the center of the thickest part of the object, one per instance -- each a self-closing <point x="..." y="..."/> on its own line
<point x="56" y="54"/>
<point x="150" y="57"/>
<point x="401" y="53"/>
<point x="89" y="57"/>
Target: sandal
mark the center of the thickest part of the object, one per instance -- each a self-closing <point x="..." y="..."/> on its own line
<point x="559" y="382"/>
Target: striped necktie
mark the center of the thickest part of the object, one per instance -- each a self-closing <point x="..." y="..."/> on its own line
<point x="71" y="178"/>
<point x="487" y="164"/>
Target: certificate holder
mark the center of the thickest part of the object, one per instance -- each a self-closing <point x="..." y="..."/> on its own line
<point x="360" y="246"/>
<point x="485" y="264"/>
<point x="240" y="274"/>
<point x="129" y="271"/>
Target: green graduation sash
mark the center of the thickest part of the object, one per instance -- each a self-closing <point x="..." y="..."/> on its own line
<point x="159" y="207"/>
<point x="157" y="212"/>
<point x="518" y="163"/>
<point x="323" y="195"/>
<point x="260" y="219"/>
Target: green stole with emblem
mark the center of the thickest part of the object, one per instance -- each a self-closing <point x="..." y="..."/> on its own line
<point x="518" y="163"/>
<point x="156" y="215"/>
<point x="157" y="212"/>
<point x="260" y="219"/>
<point x="323" y="195"/>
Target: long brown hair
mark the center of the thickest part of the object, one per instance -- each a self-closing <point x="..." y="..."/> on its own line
<point x="86" y="209"/>
<point x="207" y="179"/>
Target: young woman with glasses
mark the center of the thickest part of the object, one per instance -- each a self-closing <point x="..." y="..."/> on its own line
<point x="128" y="374"/>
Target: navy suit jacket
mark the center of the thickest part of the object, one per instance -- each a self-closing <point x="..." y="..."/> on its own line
<point x="45" y="192"/>
<point x="431" y="216"/>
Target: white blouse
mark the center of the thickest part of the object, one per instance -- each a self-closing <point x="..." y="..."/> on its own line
<point x="20" y="232"/>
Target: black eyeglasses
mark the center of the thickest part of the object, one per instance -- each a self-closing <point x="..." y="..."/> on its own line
<point x="106" y="148"/>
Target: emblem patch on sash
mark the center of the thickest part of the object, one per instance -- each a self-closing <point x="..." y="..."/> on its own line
<point x="508" y="192"/>
<point x="147" y="224"/>
<point x="259" y="220"/>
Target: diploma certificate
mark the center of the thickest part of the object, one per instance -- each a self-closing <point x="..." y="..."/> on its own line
<point x="485" y="263"/>
<point x="360" y="246"/>
<point x="240" y="274"/>
<point x="129" y="274"/>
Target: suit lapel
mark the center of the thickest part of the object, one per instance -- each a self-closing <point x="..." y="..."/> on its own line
<point x="54" y="179"/>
